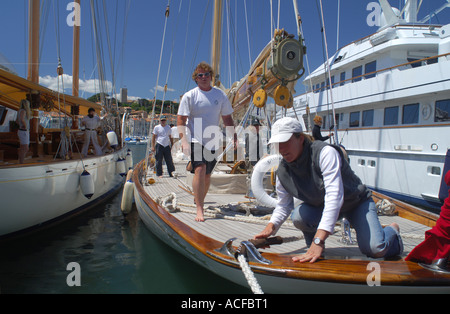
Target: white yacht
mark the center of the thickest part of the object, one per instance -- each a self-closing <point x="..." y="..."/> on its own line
<point x="386" y="98"/>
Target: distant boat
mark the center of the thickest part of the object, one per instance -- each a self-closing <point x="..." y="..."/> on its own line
<point x="55" y="182"/>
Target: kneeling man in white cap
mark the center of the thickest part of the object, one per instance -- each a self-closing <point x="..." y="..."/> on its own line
<point x="319" y="175"/>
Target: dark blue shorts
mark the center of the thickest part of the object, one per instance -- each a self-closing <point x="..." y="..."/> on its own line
<point x="200" y="155"/>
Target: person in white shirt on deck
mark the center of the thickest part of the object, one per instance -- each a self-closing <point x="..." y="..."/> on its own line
<point x="317" y="174"/>
<point x="91" y="123"/>
<point x="161" y="144"/>
<point x="198" y="120"/>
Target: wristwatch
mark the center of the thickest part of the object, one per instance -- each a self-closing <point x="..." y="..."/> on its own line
<point x="318" y="241"/>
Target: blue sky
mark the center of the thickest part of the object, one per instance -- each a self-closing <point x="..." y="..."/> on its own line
<point x="136" y="59"/>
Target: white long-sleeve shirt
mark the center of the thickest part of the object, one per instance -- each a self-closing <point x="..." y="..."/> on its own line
<point x="330" y="165"/>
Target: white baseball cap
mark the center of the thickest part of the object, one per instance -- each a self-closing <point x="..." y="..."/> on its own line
<point x="283" y="129"/>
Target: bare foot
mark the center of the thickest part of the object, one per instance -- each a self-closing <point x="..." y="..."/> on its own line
<point x="199" y="216"/>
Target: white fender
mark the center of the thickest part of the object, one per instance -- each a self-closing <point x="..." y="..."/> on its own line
<point x="127" y="197"/>
<point x="129" y="160"/>
<point x="120" y="167"/>
<point x="261" y="168"/>
<point x="87" y="184"/>
<point x="112" y="138"/>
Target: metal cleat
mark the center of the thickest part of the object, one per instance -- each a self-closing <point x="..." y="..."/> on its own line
<point x="227" y="248"/>
<point x="251" y="253"/>
<point x="440" y="266"/>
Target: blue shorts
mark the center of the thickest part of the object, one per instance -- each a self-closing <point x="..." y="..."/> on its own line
<point x="200" y="155"/>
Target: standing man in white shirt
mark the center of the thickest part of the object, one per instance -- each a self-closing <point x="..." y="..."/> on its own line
<point x="23" y="119"/>
<point x="202" y="107"/>
<point x="317" y="174"/>
<point x="91" y="123"/>
<point x="161" y="144"/>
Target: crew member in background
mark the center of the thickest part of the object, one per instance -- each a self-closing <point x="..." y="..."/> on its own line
<point x="91" y="123"/>
<point x="317" y="134"/>
<point x="161" y="144"/>
<point x="23" y="119"/>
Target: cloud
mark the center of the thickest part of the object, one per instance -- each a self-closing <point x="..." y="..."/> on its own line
<point x="161" y="89"/>
<point x="91" y="86"/>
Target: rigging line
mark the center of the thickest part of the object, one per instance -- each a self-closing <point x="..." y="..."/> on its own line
<point x="45" y="8"/>
<point x="159" y="66"/>
<point x="108" y="41"/>
<point x="248" y="36"/>
<point x="329" y="75"/>
<point x="188" y="78"/>
<point x="185" y="41"/>
<point x="278" y="22"/>
<point x="338" y="24"/>
<point x="171" y="55"/>
<point x="57" y="34"/>
<point x="122" y="53"/>
<point x="156" y="87"/>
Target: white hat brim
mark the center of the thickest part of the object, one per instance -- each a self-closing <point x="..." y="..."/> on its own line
<point x="280" y="138"/>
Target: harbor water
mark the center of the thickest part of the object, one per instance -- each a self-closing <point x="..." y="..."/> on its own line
<point x="109" y="252"/>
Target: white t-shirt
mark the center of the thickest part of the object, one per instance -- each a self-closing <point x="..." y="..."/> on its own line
<point x="162" y="134"/>
<point x="204" y="110"/>
<point x="91" y="123"/>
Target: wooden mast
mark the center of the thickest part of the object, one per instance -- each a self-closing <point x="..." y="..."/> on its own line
<point x="33" y="40"/>
<point x="216" y="41"/>
<point x="33" y="61"/>
<point x="75" y="65"/>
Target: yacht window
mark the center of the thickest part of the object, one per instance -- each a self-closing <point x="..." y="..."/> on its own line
<point x="354" y="119"/>
<point x="357" y="72"/>
<point x="391" y="115"/>
<point x="442" y="112"/>
<point x="322" y="86"/>
<point x="367" y="117"/>
<point x="432" y="60"/>
<point x="370" y="67"/>
<point x="342" y="78"/>
<point x="410" y="114"/>
<point x="414" y="64"/>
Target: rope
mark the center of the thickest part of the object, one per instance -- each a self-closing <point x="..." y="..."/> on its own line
<point x="251" y="279"/>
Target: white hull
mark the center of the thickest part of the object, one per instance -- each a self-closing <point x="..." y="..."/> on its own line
<point x="35" y="195"/>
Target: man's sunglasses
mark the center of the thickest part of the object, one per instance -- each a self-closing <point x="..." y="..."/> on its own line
<point x="200" y="75"/>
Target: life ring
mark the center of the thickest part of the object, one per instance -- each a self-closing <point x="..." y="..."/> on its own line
<point x="127" y="197"/>
<point x="261" y="168"/>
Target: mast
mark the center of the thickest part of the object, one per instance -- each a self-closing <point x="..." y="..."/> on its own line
<point x="33" y="40"/>
<point x="216" y="41"/>
<point x="75" y="56"/>
<point x="75" y="109"/>
<point x="33" y="62"/>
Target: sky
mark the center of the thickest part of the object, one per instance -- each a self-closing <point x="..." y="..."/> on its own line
<point x="137" y="29"/>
